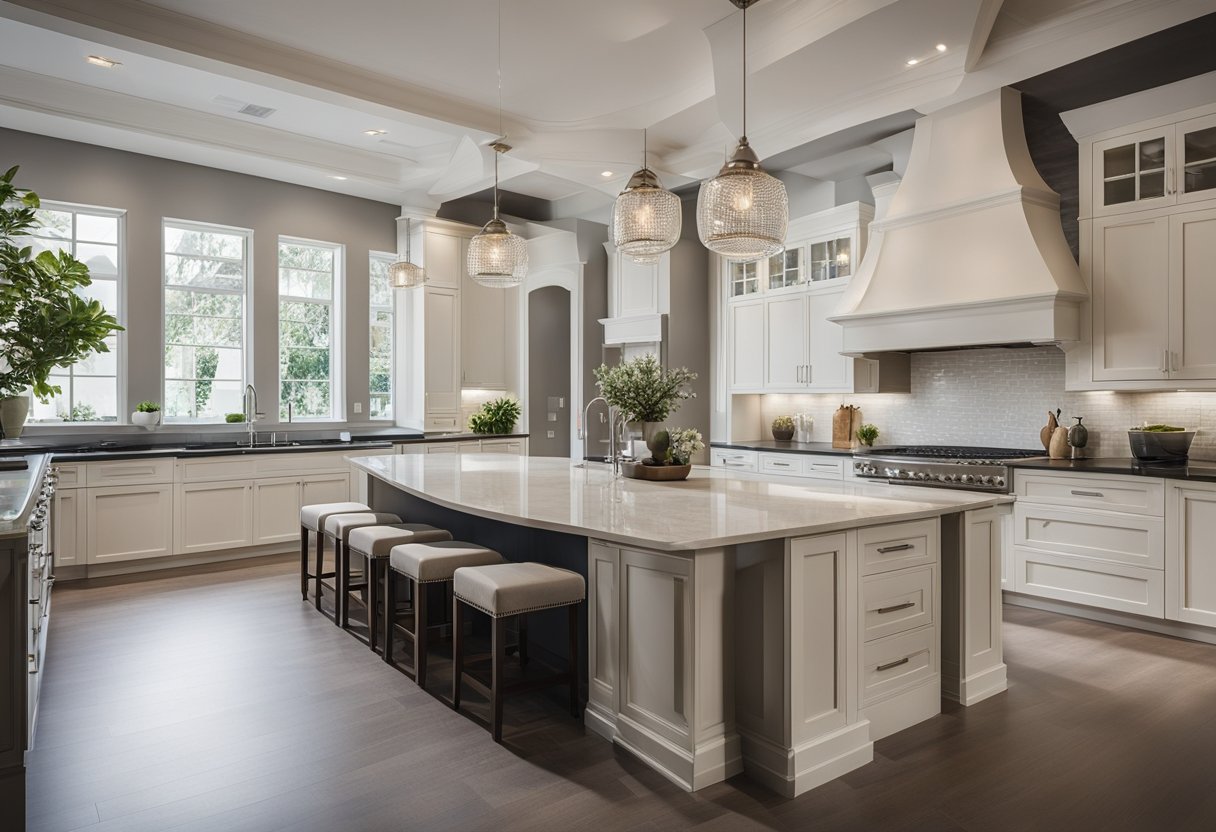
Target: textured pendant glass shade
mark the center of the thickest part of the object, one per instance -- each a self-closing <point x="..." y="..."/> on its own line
<point x="743" y="212"/>
<point x="646" y="218"/>
<point x="497" y="258"/>
<point x="405" y="275"/>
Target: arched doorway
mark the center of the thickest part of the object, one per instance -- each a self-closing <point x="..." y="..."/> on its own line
<point x="549" y="374"/>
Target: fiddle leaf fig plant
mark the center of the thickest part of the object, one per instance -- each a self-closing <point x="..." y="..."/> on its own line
<point x="44" y="321"/>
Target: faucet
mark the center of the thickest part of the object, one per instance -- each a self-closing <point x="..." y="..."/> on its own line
<point x="584" y="432"/>
<point x="252" y="414"/>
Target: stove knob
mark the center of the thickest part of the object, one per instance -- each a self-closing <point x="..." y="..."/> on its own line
<point x="967" y="478"/>
<point x="985" y="480"/>
<point x="921" y="475"/>
<point x="903" y="475"/>
<point x="999" y="482"/>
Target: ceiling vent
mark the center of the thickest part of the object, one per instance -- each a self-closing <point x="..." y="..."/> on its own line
<point x="256" y="111"/>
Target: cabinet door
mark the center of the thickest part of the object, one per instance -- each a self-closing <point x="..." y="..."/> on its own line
<point x="1190" y="565"/>
<point x="69" y="524"/>
<point x="444" y="265"/>
<point x="1130" y="310"/>
<point x="445" y="447"/>
<point x="442" y="350"/>
<point x="747" y="345"/>
<point x="212" y="516"/>
<point x="1134" y="172"/>
<point x="1197" y="159"/>
<point x="276" y="511"/>
<point x="829" y="371"/>
<point x="636" y="287"/>
<point x="1192" y="295"/>
<point x="483" y="334"/>
<point x="502" y="446"/>
<point x="785" y="342"/>
<point x="327" y="488"/>
<point x="128" y="523"/>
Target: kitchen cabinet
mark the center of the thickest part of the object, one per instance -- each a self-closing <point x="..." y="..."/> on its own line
<point x="68" y="516"/>
<point x="827" y="370"/>
<point x="128" y="522"/>
<point x="635" y="288"/>
<point x="785" y="342"/>
<point x="488" y="334"/>
<point x="1190" y="589"/>
<point x="212" y="516"/>
<point x="1170" y="163"/>
<point x="747" y="346"/>
<point x="1192" y="294"/>
<point x="443" y="248"/>
<point x="1197" y="159"/>
<point x="276" y="510"/>
<point x="327" y="488"/>
<point x="441" y="357"/>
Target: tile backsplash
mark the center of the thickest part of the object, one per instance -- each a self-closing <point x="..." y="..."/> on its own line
<point x="1000" y="397"/>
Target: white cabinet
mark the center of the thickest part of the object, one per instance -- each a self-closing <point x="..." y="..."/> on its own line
<point x="1190" y="589"/>
<point x="69" y="518"/>
<point x="635" y="288"/>
<point x="276" y="510"/>
<point x="323" y="488"/>
<point x="733" y="459"/>
<point x="212" y="516"/>
<point x="1197" y="159"/>
<point x="503" y="446"/>
<point x="1192" y="292"/>
<point x="1160" y="166"/>
<point x="488" y="334"/>
<point x="785" y="342"/>
<point x="441" y="357"/>
<point x="747" y="353"/>
<point x="827" y="370"/>
<point x="442" y="256"/>
<point x="128" y="522"/>
<point x="1130" y="310"/>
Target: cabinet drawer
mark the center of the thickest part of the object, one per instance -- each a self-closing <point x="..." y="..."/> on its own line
<point x="130" y="472"/>
<point x="738" y="460"/>
<point x="1134" y="539"/>
<point x="788" y="465"/>
<point x="1136" y="496"/>
<point x="895" y="602"/>
<point x="897" y="546"/>
<point x="215" y="468"/>
<point x="71" y="475"/>
<point x="1112" y="586"/>
<point x="824" y="467"/>
<point x="441" y="421"/>
<point x="889" y="665"/>
<point x="502" y="446"/>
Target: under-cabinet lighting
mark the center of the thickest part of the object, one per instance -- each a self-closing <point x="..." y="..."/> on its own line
<point x="339" y="178"/>
<point x="105" y="63"/>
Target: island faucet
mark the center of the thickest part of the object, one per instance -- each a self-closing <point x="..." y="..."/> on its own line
<point x="252" y="414"/>
<point x="584" y="431"/>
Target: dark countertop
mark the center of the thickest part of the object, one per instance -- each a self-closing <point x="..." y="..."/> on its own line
<point x="206" y="449"/>
<point x="1201" y="470"/>
<point x="783" y="447"/>
<point x="459" y="437"/>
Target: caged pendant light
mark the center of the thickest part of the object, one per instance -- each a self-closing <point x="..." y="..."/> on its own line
<point x="646" y="217"/>
<point x="743" y="212"/>
<point x="405" y="274"/>
<point x="497" y="258"/>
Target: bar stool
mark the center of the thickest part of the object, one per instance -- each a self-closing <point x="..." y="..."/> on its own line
<point x="505" y="591"/>
<point x="339" y="527"/>
<point x="312" y="519"/>
<point x="423" y="564"/>
<point x="372" y="543"/>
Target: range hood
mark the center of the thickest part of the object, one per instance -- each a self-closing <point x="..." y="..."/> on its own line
<point x="970" y="251"/>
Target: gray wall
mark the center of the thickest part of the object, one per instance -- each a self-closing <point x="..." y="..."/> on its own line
<point x="150" y="189"/>
<point x="549" y="371"/>
<point x="595" y="308"/>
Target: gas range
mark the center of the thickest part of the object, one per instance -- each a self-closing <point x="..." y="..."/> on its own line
<point x="941" y="466"/>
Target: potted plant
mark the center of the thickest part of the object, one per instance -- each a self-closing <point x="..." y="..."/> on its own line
<point x="44" y="321"/>
<point x="146" y="415"/>
<point x="866" y="434"/>
<point x="234" y="418"/>
<point x="783" y="428"/>
<point x="495" y="416"/>
<point x="646" y="393"/>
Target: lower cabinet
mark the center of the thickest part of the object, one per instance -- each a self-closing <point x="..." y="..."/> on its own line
<point x="332" y="488"/>
<point x="276" y="510"/>
<point x="210" y="516"/>
<point x="69" y="517"/>
<point x="128" y="522"/>
<point x="1190" y="556"/>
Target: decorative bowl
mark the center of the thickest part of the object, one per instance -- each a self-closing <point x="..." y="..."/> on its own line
<point x="655" y="473"/>
<point x="783" y="435"/>
<point x="1160" y="446"/>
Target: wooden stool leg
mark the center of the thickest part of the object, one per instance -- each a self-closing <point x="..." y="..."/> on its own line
<point x="574" y="668"/>
<point x="498" y="659"/>
<point x="522" y="631"/>
<point x="420" y="630"/>
<point x="303" y="563"/>
<point x="341" y="581"/>
<point x="371" y="577"/>
<point x="320" y="566"/>
<point x="457" y="652"/>
<point x="390" y="613"/>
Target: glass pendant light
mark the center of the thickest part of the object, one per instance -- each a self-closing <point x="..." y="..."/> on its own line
<point x="646" y="217"/>
<point x="743" y="213"/>
<point x="497" y="258"/>
<point x="405" y="274"/>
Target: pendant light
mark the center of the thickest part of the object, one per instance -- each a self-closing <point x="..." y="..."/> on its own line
<point x="405" y="274"/>
<point x="497" y="258"/>
<point x="742" y="213"/>
<point x="646" y="217"/>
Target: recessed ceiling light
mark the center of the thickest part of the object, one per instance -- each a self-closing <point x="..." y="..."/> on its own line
<point x="376" y="132"/>
<point x="606" y="174"/>
<point x="106" y="63"/>
<point x="941" y="47"/>
<point x="339" y="178"/>
<point x="913" y="61"/>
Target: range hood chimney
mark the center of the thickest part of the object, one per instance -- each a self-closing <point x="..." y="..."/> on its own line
<point x="970" y="251"/>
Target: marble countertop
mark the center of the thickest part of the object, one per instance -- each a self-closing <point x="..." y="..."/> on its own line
<point x="20" y="484"/>
<point x="712" y="508"/>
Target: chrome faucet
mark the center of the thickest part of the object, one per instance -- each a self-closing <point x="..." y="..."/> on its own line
<point x="252" y="414"/>
<point x="584" y="431"/>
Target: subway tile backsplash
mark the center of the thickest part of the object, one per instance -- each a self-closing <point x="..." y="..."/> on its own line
<point x="1000" y="397"/>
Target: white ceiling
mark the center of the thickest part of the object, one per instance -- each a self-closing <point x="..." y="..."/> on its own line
<point x="580" y="80"/>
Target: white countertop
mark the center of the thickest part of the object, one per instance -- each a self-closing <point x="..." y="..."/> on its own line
<point x="712" y="508"/>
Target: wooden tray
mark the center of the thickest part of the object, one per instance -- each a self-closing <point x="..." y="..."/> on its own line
<point x="655" y="473"/>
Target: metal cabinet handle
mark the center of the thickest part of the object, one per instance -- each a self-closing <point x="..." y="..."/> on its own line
<point x="890" y="665"/>
<point x="810" y="373"/>
<point x="1077" y="493"/>
<point x="1174" y="362"/>
<point x="1165" y="361"/>
<point x="905" y="605"/>
<point x="902" y="547"/>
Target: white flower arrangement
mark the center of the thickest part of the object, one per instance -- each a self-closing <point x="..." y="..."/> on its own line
<point x="684" y="442"/>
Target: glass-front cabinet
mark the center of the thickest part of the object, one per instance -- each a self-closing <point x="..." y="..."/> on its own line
<point x="785" y="269"/>
<point x="1154" y="168"/>
<point x="743" y="279"/>
<point x="1197" y="147"/>
<point x="831" y="259"/>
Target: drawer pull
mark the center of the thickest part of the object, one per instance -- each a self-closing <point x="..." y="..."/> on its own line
<point x="896" y="608"/>
<point x="780" y="464"/>
<point x="1077" y="493"/>
<point x="901" y="547"/>
<point x="890" y="665"/>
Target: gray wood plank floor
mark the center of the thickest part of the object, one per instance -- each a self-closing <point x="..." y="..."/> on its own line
<point x="213" y="699"/>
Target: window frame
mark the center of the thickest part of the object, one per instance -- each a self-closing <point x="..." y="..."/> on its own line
<point x="246" y="318"/>
<point x="389" y="259"/>
<point x="337" y="331"/>
<point x="122" y="416"/>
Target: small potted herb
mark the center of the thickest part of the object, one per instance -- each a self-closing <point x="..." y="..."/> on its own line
<point x="234" y="418"/>
<point x="496" y="416"/>
<point x="783" y="428"/>
<point x="866" y="434"/>
<point x="146" y="415"/>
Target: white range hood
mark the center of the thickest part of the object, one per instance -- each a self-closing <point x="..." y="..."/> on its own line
<point x="970" y="251"/>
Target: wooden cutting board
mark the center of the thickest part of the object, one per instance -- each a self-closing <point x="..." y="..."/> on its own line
<point x="843" y="424"/>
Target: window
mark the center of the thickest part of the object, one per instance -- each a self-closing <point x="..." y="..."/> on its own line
<point x="309" y="286"/>
<point x="380" y="337"/>
<point x="94" y="237"/>
<point x="785" y="269"/>
<point x="206" y="285"/>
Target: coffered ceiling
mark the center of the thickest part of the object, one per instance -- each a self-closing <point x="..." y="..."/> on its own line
<point x="580" y="79"/>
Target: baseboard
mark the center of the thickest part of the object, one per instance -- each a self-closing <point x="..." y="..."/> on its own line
<point x="977" y="688"/>
<point x="131" y="567"/>
<point x="905" y="709"/>
<point x="1177" y="629"/>
<point x="795" y="771"/>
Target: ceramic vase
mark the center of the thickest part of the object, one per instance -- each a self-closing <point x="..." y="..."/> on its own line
<point x="14" y="410"/>
<point x="655" y="437"/>
<point x="146" y="420"/>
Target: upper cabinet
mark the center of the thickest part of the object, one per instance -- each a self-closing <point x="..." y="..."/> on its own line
<point x="1156" y="167"/>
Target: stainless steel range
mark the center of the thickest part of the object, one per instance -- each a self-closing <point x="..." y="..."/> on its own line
<point x="941" y="466"/>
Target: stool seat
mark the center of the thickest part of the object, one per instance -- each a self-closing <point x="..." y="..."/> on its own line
<point x="339" y="526"/>
<point x="376" y="541"/>
<point x="439" y="560"/>
<point x="513" y="588"/>
<point x="313" y="516"/>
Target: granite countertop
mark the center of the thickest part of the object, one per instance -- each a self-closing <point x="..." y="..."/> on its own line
<point x="712" y="508"/>
<point x="19" y="489"/>
<point x="85" y="454"/>
<point x="782" y="446"/>
<point x="1201" y="470"/>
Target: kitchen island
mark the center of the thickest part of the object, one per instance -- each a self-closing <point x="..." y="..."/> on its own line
<point x="736" y="622"/>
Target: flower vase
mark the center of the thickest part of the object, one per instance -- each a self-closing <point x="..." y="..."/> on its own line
<point x="655" y="437"/>
<point x="14" y="410"/>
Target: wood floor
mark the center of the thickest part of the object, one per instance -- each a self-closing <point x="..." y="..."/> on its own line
<point x="213" y="699"/>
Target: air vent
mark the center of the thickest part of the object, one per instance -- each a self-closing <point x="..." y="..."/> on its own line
<point x="256" y="111"/>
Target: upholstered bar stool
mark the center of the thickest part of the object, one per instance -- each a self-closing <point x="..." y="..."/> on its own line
<point x="503" y="592"/>
<point x="372" y="544"/>
<point x="423" y="564"/>
<point x="338" y="527"/>
<point x="312" y="519"/>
